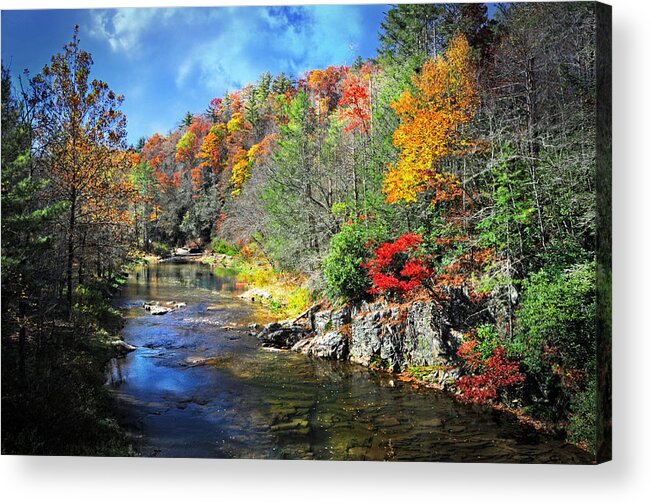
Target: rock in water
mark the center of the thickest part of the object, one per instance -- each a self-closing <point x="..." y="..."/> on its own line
<point x="278" y="336"/>
<point x="155" y="308"/>
<point x="331" y="345"/>
<point x="303" y="346"/>
<point x="122" y="347"/>
<point x="159" y="310"/>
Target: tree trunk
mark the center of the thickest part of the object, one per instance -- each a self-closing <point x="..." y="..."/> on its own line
<point x="71" y="249"/>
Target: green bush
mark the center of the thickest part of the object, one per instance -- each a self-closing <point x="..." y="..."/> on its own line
<point x="160" y="249"/>
<point x="342" y="267"/>
<point x="555" y="340"/>
<point x="583" y="416"/>
<point x="488" y="340"/>
<point x="221" y="246"/>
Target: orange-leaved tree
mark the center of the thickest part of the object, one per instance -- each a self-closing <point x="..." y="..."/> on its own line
<point x="432" y="119"/>
<point x="79" y="129"/>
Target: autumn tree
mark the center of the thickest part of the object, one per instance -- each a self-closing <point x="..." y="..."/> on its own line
<point x="79" y="131"/>
<point x="432" y="117"/>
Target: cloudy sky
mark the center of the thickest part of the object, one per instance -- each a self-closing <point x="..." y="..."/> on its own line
<point x="169" y="61"/>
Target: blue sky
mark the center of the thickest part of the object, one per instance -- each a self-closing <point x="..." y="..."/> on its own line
<point x="168" y="61"/>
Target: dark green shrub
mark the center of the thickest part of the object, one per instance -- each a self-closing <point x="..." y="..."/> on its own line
<point x="342" y="267"/>
<point x="160" y="249"/>
<point x="583" y="415"/>
<point x="555" y="340"/>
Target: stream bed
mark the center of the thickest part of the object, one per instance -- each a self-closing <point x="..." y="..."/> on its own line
<point x="199" y="385"/>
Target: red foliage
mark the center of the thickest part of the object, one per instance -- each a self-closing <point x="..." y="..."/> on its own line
<point x="354" y="104"/>
<point x="489" y="377"/>
<point x="391" y="270"/>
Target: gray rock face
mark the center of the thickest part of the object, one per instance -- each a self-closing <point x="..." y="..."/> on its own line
<point x="377" y="338"/>
<point x="429" y="338"/>
<point x="326" y="320"/>
<point x="426" y="338"/>
<point x="426" y="335"/>
<point x="321" y="321"/>
<point x="340" y="317"/>
<point x="331" y="345"/>
<point x="276" y="335"/>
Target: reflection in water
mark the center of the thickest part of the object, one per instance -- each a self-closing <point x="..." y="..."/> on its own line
<point x="195" y="389"/>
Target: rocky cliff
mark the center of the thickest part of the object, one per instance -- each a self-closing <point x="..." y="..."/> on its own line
<point x="421" y="334"/>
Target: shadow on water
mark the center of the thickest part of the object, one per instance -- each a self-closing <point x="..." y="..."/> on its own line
<point x="196" y="387"/>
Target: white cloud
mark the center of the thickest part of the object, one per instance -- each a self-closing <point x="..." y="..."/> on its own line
<point x="124" y="29"/>
<point x="247" y="42"/>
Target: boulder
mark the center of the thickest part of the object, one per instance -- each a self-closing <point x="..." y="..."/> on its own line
<point x="122" y="347"/>
<point x="303" y="346"/>
<point x="331" y="345"/>
<point x="159" y="310"/>
<point x="279" y="336"/>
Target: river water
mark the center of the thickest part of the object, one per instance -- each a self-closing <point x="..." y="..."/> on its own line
<point x="196" y="387"/>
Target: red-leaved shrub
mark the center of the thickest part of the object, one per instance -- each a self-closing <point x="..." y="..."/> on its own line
<point x="395" y="267"/>
<point x="489" y="376"/>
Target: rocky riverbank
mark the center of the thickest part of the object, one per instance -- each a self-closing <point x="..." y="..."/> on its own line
<point x="422" y="336"/>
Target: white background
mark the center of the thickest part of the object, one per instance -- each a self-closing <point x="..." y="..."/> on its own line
<point x="626" y="479"/>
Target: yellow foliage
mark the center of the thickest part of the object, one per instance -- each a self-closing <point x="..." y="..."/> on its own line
<point x="236" y="123"/>
<point x="241" y="170"/>
<point x="431" y="122"/>
<point x="244" y="160"/>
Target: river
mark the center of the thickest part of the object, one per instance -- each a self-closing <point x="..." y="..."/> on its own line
<point x="246" y="402"/>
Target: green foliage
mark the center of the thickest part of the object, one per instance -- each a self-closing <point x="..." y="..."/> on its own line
<point x="510" y="226"/>
<point x="556" y="340"/>
<point x="221" y="246"/>
<point x="161" y="249"/>
<point x="91" y="309"/>
<point x="276" y="306"/>
<point x="342" y="267"/>
<point x="298" y="300"/>
<point x="556" y="319"/>
<point x="488" y="339"/>
<point x="583" y="415"/>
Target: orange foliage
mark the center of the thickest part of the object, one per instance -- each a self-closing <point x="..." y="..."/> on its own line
<point x="431" y="121"/>
<point x="354" y="105"/>
<point x="212" y="147"/>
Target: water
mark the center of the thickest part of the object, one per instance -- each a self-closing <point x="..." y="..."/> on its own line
<point x="199" y="387"/>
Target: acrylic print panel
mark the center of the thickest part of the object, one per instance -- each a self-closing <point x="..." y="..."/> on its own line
<point x="352" y="232"/>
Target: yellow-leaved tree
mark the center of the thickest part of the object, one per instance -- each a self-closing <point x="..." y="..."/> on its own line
<point x="432" y="118"/>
